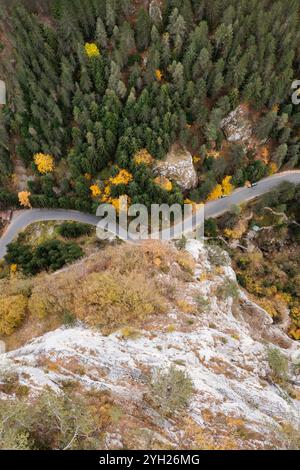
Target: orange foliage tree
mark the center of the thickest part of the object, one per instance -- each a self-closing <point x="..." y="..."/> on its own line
<point x="44" y="163"/>
<point x="143" y="157"/>
<point x="123" y="177"/>
<point x="216" y="193"/>
<point x="227" y="187"/>
<point x="158" y="75"/>
<point x="95" y="190"/>
<point x="24" y="198"/>
<point x="164" y="183"/>
<point x="91" y="49"/>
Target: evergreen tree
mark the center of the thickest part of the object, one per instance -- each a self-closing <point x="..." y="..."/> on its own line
<point x="101" y="35"/>
<point x="265" y="125"/>
<point x="143" y="29"/>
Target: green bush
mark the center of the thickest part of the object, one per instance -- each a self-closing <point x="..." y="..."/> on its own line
<point x="171" y="390"/>
<point x="49" y="255"/>
<point x="217" y="256"/>
<point x="50" y="422"/>
<point x="73" y="230"/>
<point x="278" y="364"/>
<point x="228" y="289"/>
<point x="68" y="318"/>
<point x="202" y="303"/>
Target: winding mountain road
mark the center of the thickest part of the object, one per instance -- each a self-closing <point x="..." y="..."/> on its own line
<point x="23" y="219"/>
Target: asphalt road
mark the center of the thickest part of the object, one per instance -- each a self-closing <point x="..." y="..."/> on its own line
<point x="23" y="219"/>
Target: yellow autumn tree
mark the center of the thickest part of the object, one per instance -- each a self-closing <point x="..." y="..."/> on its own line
<point x="164" y="183"/>
<point x="106" y="194"/>
<point x="143" y="157"/>
<point x="295" y="333"/>
<point x="24" y="198"/>
<point x="44" y="162"/>
<point x="158" y="75"/>
<point x="196" y="159"/>
<point x="119" y="204"/>
<point x="227" y="187"/>
<point x="213" y="153"/>
<point x="91" y="49"/>
<point x="13" y="268"/>
<point x="95" y="190"/>
<point x="265" y="154"/>
<point x="216" y="193"/>
<point x="12" y="312"/>
<point x="195" y="206"/>
<point x="123" y="177"/>
<point x="236" y="232"/>
<point x="272" y="168"/>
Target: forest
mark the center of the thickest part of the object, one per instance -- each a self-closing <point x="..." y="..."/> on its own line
<point x="263" y="239"/>
<point x="97" y="89"/>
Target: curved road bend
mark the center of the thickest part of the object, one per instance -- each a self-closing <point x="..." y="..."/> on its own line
<point x="212" y="209"/>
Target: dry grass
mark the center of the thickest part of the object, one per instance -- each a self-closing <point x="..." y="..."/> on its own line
<point x="112" y="300"/>
<point x="117" y="287"/>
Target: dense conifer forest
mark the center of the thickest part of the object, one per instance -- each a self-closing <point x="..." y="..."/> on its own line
<point x="96" y="88"/>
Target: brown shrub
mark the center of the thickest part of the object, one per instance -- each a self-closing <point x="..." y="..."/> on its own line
<point x="110" y="300"/>
<point x="12" y="312"/>
<point x="120" y="286"/>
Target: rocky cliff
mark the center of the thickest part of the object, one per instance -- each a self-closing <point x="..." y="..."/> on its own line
<point x="215" y="334"/>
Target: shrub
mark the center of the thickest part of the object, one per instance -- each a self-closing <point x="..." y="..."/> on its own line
<point x="186" y="262"/>
<point x="181" y="244"/>
<point x="50" y="422"/>
<point x="202" y="304"/>
<point x="68" y="318"/>
<point x="217" y="256"/>
<point x="186" y="307"/>
<point x="289" y="437"/>
<point x="38" y="304"/>
<point x="53" y="294"/>
<point x="51" y="254"/>
<point x="9" y="383"/>
<point x="278" y="364"/>
<point x="210" y="228"/>
<point x="129" y="333"/>
<point x="73" y="229"/>
<point x="228" y="289"/>
<point x="112" y="300"/>
<point x="171" y="390"/>
<point x="12" y="312"/>
<point x="120" y="287"/>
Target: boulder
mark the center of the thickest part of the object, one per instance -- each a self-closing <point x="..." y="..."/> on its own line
<point x="178" y="166"/>
<point x="237" y="126"/>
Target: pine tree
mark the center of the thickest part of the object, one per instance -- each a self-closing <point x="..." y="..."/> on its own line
<point x="101" y="36"/>
<point x="165" y="50"/>
<point x="265" y="125"/>
<point x="110" y="14"/>
<point x="280" y="154"/>
<point x="155" y="14"/>
<point x="178" y="75"/>
<point x="143" y="29"/>
<point x="177" y="30"/>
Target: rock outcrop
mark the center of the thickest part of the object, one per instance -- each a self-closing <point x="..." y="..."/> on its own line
<point x="237" y="126"/>
<point x="178" y="166"/>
